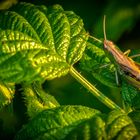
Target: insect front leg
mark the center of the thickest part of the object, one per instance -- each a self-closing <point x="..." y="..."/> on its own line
<point x="133" y="56"/>
<point x="127" y="52"/>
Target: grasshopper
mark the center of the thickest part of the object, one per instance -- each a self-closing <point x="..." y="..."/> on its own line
<point x="126" y="67"/>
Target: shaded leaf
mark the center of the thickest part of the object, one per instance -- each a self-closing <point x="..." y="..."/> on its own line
<point x="130" y="95"/>
<point x="135" y="116"/>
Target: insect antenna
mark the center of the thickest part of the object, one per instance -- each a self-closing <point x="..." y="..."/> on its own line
<point x="104" y="27"/>
<point x="104" y="31"/>
<point x="94" y="38"/>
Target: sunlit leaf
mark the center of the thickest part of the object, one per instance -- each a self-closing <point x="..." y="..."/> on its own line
<point x="39" y="44"/>
<point x="6" y="94"/>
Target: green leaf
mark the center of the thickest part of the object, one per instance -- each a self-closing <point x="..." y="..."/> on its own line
<point x="130" y="95"/>
<point x="96" y="62"/>
<point x="120" y="127"/>
<point x="91" y="129"/>
<point x="135" y="116"/>
<point x="55" y="123"/>
<point x="6" y="94"/>
<point x="37" y="100"/>
<point x="78" y="122"/>
<point x="39" y="44"/>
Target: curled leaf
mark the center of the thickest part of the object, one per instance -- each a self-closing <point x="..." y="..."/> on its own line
<point x="37" y="100"/>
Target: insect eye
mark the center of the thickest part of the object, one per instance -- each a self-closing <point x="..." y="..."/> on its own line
<point x="110" y="42"/>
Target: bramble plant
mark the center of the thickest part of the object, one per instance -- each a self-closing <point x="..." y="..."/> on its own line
<point x="39" y="44"/>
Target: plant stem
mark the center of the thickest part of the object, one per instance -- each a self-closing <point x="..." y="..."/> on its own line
<point x="100" y="96"/>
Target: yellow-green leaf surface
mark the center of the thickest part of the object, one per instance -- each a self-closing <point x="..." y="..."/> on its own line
<point x="37" y="99"/>
<point x="6" y="94"/>
<point x="38" y="43"/>
<point x="55" y="124"/>
<point x="78" y="123"/>
<point x="120" y="127"/>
